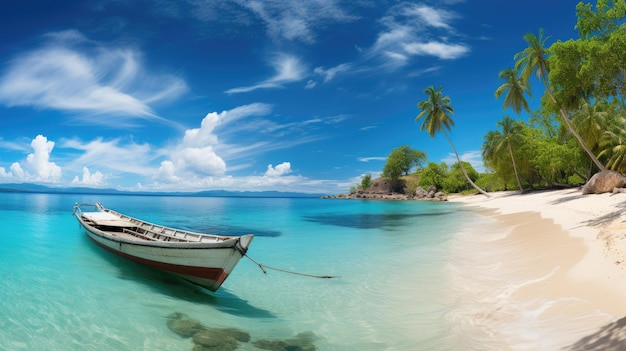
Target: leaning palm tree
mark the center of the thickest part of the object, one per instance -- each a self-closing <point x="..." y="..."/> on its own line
<point x="510" y="137"/>
<point x="436" y="117"/>
<point x="533" y="59"/>
<point x="515" y="88"/>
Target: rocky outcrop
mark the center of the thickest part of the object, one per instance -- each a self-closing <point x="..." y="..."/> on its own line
<point x="430" y="194"/>
<point x="383" y="189"/>
<point x="604" y="182"/>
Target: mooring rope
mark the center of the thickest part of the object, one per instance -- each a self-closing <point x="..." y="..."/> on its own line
<point x="262" y="266"/>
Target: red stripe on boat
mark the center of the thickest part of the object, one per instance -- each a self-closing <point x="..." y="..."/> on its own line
<point x="215" y="274"/>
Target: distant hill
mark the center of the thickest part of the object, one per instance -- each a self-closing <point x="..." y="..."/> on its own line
<point x="36" y="188"/>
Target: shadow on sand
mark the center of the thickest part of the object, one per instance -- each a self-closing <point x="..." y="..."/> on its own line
<point x="611" y="337"/>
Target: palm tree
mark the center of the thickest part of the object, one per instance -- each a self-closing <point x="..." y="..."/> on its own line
<point x="592" y="122"/>
<point x="510" y="136"/>
<point x="436" y="117"/>
<point x="515" y="87"/>
<point x="533" y="59"/>
<point x="490" y="142"/>
<point x="613" y="144"/>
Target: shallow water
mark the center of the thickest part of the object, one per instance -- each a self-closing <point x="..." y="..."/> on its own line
<point x="395" y="259"/>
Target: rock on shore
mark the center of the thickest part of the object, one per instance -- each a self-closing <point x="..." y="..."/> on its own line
<point x="383" y="189"/>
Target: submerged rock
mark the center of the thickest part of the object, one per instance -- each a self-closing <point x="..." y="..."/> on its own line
<point x="302" y="342"/>
<point x="212" y="340"/>
<point x="182" y="325"/>
<point x="234" y="333"/>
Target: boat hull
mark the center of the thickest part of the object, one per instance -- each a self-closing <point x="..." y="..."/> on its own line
<point x="202" y="263"/>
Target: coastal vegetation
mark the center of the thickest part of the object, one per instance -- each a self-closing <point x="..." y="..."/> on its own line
<point x="436" y="116"/>
<point x="577" y="130"/>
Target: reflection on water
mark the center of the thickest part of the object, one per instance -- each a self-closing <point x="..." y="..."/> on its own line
<point x="228" y="230"/>
<point x="369" y="220"/>
<point x="176" y="287"/>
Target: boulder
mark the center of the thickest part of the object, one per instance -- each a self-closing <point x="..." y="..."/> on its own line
<point x="440" y="196"/>
<point x="604" y="182"/>
<point x="420" y="193"/>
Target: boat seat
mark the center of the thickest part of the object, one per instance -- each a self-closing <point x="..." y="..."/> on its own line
<point x="138" y="234"/>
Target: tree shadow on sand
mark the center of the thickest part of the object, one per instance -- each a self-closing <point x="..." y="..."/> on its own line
<point x="611" y="337"/>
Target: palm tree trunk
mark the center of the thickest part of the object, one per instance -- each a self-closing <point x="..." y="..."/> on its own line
<point x="571" y="127"/>
<point x="519" y="184"/>
<point x="463" y="169"/>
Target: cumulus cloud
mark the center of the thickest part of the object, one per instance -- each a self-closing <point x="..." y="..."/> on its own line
<point x="288" y="69"/>
<point x="88" y="178"/>
<point x="72" y="74"/>
<point x="39" y="161"/>
<point x="279" y="170"/>
<point x="194" y="156"/>
<point x="37" y="165"/>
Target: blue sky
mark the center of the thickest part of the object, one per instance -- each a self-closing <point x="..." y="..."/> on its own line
<point x="242" y="95"/>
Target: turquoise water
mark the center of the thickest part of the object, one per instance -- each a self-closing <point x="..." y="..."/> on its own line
<point x="62" y="292"/>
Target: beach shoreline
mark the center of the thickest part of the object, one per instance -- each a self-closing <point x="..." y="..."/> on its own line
<point x="561" y="266"/>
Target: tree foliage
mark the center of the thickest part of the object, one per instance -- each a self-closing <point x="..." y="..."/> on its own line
<point x="366" y="182"/>
<point x="401" y="160"/>
<point x="581" y="124"/>
<point x="436" y="116"/>
<point x="449" y="179"/>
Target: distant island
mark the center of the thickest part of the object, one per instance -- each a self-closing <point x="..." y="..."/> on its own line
<point x="36" y="188"/>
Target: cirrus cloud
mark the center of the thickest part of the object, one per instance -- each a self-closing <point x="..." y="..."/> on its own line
<point x="73" y="74"/>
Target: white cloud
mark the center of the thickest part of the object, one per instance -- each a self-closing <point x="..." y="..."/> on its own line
<point x="280" y="170"/>
<point x="39" y="161"/>
<point x="288" y="69"/>
<point x="195" y="155"/>
<point x="295" y="20"/>
<point x="89" y="178"/>
<point x="436" y="18"/>
<point x="37" y="166"/>
<point x="416" y="30"/>
<point x="114" y="155"/>
<point x="440" y="50"/>
<point x="167" y="172"/>
<point x="330" y="73"/>
<point x="368" y="159"/>
<point x="17" y="171"/>
<point x="73" y="74"/>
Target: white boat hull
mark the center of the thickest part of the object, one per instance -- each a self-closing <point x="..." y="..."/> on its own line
<point x="206" y="262"/>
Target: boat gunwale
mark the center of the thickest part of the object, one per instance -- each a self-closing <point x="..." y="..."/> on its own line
<point x="221" y="242"/>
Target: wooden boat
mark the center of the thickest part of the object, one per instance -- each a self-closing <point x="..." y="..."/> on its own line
<point x="203" y="259"/>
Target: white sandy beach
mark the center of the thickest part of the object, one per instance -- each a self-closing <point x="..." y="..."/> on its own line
<point x="559" y="274"/>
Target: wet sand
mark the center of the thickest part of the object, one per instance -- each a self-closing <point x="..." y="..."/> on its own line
<point x="556" y="278"/>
